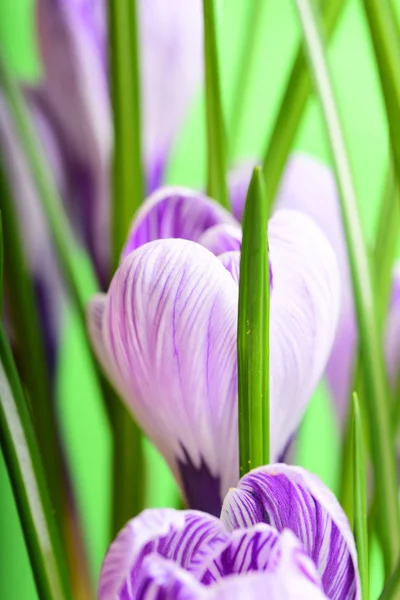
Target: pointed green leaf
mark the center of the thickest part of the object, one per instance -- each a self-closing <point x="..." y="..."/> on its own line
<point x="360" y="499"/>
<point x="292" y="106"/>
<point x="128" y="183"/>
<point x="20" y="449"/>
<point x="216" y="150"/>
<point x="376" y="394"/>
<point x="253" y="331"/>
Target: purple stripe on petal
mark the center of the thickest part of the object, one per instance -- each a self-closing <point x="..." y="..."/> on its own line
<point x="161" y="579"/>
<point x="289" y="497"/>
<point x="202" y="489"/>
<point x="174" y="212"/>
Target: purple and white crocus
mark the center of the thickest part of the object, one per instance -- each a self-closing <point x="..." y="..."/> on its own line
<point x="165" y="332"/>
<point x="281" y="535"/>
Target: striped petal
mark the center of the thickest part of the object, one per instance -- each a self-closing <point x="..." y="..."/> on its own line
<point x="179" y="536"/>
<point x="168" y="329"/>
<point x="175" y="212"/>
<point x="249" y="566"/>
<point x="291" y="498"/>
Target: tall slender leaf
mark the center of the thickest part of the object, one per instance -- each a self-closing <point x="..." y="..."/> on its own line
<point x="392" y="588"/>
<point x="128" y="192"/>
<point x="216" y="142"/>
<point x="253" y="331"/>
<point x="20" y="449"/>
<point x="128" y="182"/>
<point x="376" y="397"/>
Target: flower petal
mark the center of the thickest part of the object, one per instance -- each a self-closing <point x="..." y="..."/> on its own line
<point x="222" y="238"/>
<point x="290" y="497"/>
<point x="175" y="212"/>
<point x="392" y="336"/>
<point x="171" y="50"/>
<point x="169" y="330"/>
<point x="35" y="235"/>
<point x="303" y="318"/>
<point x="238" y="185"/>
<point x="179" y="536"/>
<point x="286" y="572"/>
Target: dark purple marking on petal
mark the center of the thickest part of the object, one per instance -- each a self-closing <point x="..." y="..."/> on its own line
<point x="202" y="489"/>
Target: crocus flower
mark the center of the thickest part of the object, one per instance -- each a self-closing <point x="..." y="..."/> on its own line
<point x="72" y="38"/>
<point x="166" y="331"/>
<point x="309" y="186"/>
<point x="282" y="534"/>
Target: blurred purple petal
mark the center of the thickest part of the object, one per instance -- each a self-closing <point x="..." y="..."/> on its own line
<point x="392" y="335"/>
<point x="231" y="262"/>
<point x="171" y="49"/>
<point x="238" y="184"/>
<point x="174" y="212"/>
<point x="179" y="536"/>
<point x="290" y="497"/>
<point x="35" y="234"/>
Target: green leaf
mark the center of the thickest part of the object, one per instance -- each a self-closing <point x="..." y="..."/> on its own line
<point x="128" y="183"/>
<point x="384" y="30"/>
<point x="360" y="499"/>
<point x="1" y="263"/>
<point x="392" y="588"/>
<point x="23" y="309"/>
<point x="376" y="394"/>
<point x="216" y="157"/>
<point x="20" y="449"/>
<point x="128" y="193"/>
<point x="253" y="331"/>
<point x="292" y="106"/>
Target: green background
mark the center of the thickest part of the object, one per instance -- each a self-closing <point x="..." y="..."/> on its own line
<point x="86" y="432"/>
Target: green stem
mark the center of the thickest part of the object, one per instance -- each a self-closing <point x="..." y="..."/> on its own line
<point x="360" y="499"/>
<point x="21" y="453"/>
<point x="216" y="142"/>
<point x="253" y="331"/>
<point x="292" y="106"/>
<point x="392" y="588"/>
<point x="30" y="345"/>
<point x="376" y="397"/>
<point x="128" y="190"/>
<point x="384" y="30"/>
<point x="128" y="193"/>
<point x="243" y="70"/>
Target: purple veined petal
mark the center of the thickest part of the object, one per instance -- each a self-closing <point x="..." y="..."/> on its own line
<point x="179" y="536"/>
<point x="231" y="262"/>
<point x="222" y="238"/>
<point x="175" y="212"/>
<point x="309" y="186"/>
<point x="35" y="234"/>
<point x="290" y="497"/>
<point x="392" y="333"/>
<point x="169" y="330"/>
<point x="303" y="318"/>
<point x="286" y="572"/>
<point x="171" y="60"/>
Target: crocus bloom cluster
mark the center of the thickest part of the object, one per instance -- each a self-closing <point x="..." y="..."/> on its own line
<point x="281" y="535"/>
<point x="166" y="332"/>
